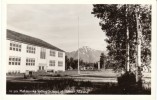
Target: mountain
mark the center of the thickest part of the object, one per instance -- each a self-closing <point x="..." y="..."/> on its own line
<point x="86" y="53"/>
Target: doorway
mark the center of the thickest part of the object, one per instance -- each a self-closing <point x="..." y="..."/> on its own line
<point x="41" y="68"/>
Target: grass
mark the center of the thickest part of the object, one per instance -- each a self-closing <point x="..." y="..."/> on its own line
<point x="103" y="73"/>
<point x="68" y="86"/>
<point x="69" y="82"/>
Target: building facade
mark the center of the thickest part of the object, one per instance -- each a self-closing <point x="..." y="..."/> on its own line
<point x="25" y="53"/>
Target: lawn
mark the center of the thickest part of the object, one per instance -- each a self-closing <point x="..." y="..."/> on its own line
<point x="74" y="73"/>
<point x="70" y="82"/>
<point x="93" y="76"/>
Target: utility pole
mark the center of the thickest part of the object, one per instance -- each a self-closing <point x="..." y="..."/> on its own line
<point x="78" y="48"/>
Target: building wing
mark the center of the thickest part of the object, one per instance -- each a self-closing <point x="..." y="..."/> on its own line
<point x="15" y="36"/>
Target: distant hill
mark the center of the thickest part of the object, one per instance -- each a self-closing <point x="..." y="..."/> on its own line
<point x="86" y="53"/>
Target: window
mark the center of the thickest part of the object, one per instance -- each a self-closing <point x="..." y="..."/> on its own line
<point x="30" y="62"/>
<point x="60" y="54"/>
<point x="30" y="49"/>
<point x="52" y="63"/>
<point x="60" y="63"/>
<point x="43" y="53"/>
<point x="14" y="60"/>
<point x="14" y="72"/>
<point x="52" y="53"/>
<point x="15" y="46"/>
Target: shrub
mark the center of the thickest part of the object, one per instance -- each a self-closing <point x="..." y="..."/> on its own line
<point x="127" y="82"/>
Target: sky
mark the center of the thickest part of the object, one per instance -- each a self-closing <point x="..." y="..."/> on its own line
<point x="58" y="24"/>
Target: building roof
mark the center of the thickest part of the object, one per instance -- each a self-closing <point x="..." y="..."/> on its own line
<point x="15" y="36"/>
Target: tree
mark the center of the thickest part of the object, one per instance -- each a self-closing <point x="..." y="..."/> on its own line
<point x="122" y="25"/>
<point x="71" y="62"/>
<point x="75" y="64"/>
<point x="95" y="65"/>
<point x="67" y="63"/>
<point x="102" y="60"/>
<point x="81" y="62"/>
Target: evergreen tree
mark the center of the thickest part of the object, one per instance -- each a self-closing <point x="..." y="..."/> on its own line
<point x="102" y="60"/>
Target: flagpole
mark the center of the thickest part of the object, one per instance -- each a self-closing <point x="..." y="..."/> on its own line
<point x="78" y="48"/>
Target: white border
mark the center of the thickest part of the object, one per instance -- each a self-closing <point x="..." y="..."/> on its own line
<point x="80" y="1"/>
<point x="77" y="97"/>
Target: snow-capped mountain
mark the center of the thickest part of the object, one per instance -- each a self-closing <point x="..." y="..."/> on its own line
<point x="86" y="53"/>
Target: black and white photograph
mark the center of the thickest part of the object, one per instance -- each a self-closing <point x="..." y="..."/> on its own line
<point x="79" y="49"/>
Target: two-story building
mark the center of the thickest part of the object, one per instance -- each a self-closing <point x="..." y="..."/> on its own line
<point x="26" y="53"/>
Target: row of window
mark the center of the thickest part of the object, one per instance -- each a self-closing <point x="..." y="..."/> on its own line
<point x="14" y="72"/>
<point x="60" y="54"/>
<point x="14" y="60"/>
<point x="53" y="53"/>
<point x="30" y="49"/>
<point x="30" y="61"/>
<point x="60" y="63"/>
<point x="52" y="63"/>
<point x="15" y="46"/>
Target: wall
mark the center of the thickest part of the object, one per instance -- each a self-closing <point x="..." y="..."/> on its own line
<point x="23" y="54"/>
